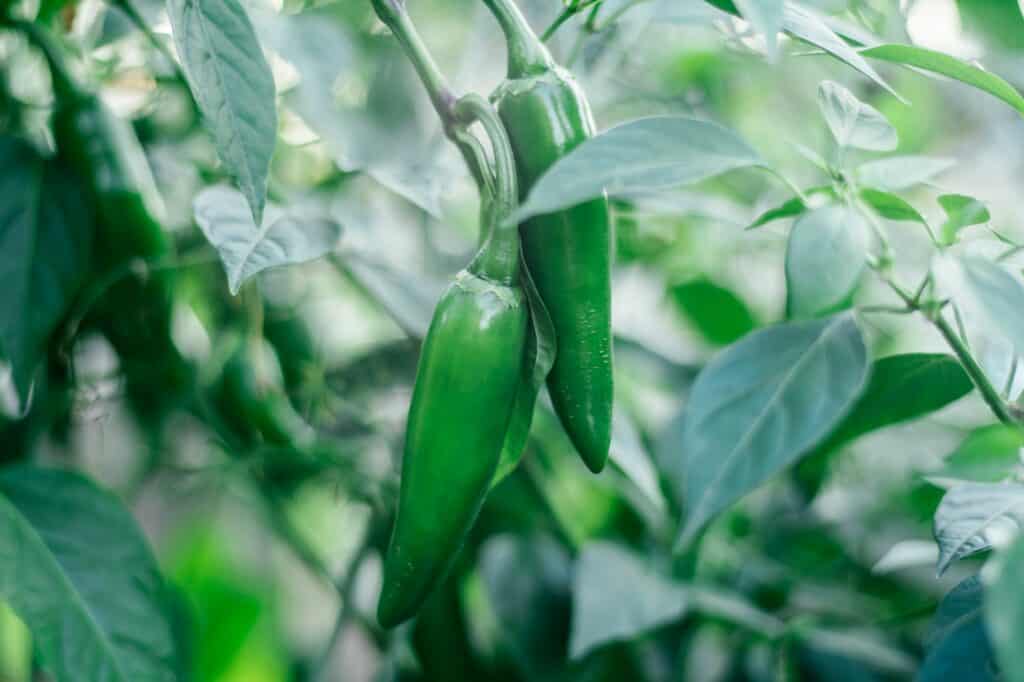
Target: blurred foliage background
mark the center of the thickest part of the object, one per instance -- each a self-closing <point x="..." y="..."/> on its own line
<point x="273" y="551"/>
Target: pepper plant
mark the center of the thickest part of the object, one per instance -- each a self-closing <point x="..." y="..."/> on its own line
<point x="513" y="340"/>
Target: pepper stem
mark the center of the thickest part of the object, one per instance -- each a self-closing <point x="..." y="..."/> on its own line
<point x="527" y="55"/>
<point x="498" y="257"/>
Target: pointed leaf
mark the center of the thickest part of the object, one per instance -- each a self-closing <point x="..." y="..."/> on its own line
<point x="247" y="250"/>
<point x="718" y="314"/>
<point x="825" y="259"/>
<point x="78" y="572"/>
<point x="961" y="211"/>
<point x="900" y="172"/>
<point x="958" y="646"/>
<point x="649" y="153"/>
<point x="854" y="123"/>
<point x="766" y="18"/>
<point x="987" y="290"/>
<point x="974" y="517"/>
<point x="233" y="85"/>
<point x="617" y="597"/>
<point x="891" y="206"/>
<point x="761" y="404"/>
<point x="946" y="65"/>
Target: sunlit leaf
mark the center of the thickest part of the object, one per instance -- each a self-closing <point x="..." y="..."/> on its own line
<point x="974" y="517"/>
<point x="987" y="455"/>
<point x="900" y="172"/>
<point x="854" y="123"/>
<point x="233" y="85"/>
<point x="946" y="65"/>
<point x="825" y="259"/>
<point x="616" y="596"/>
<point x="961" y="211"/>
<point x="766" y="17"/>
<point x="246" y="249"/>
<point x="659" y="152"/>
<point x="988" y="290"/>
<point x="891" y="206"/>
<point x="79" y="573"/>
<point x="761" y="404"/>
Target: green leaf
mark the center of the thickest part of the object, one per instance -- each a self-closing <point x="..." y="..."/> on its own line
<point x="900" y="172"/>
<point x="961" y="211"/>
<point x="761" y="404"/>
<point x="795" y="206"/>
<point x="616" y="596"/>
<point x="807" y="26"/>
<point x="987" y="290"/>
<point x="854" y="123"/>
<point x="646" y="154"/>
<point x="766" y="18"/>
<point x="901" y="388"/>
<point x="825" y="259"/>
<point x="891" y="206"/>
<point x="1004" y="611"/>
<point x="45" y="240"/>
<point x="528" y="582"/>
<point x="958" y="645"/>
<point x="233" y="85"/>
<point x="246" y="250"/>
<point x="718" y="314"/>
<point x="974" y="517"/>
<point x="538" y="359"/>
<point x="944" y="64"/>
<point x="989" y="454"/>
<point x="78" y="572"/>
<point x="630" y="456"/>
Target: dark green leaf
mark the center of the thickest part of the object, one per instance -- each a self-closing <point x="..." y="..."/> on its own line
<point x="944" y="64"/>
<point x="891" y="206"/>
<point x="45" y="238"/>
<point x="958" y="646"/>
<point x="233" y="85"/>
<point x="718" y="314"/>
<point x="77" y="570"/>
<point x="761" y="404"/>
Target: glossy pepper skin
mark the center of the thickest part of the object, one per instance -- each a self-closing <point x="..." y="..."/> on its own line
<point x="569" y="253"/>
<point x="466" y="385"/>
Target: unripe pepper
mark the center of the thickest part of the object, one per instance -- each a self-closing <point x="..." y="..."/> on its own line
<point x="135" y="313"/>
<point x="568" y="253"/>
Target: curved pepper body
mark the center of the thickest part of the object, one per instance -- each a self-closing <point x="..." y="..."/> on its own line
<point x="466" y="384"/>
<point x="569" y="256"/>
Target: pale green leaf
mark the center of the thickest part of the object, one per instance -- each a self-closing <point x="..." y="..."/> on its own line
<point x="900" y="172"/>
<point x="234" y="87"/>
<point x="961" y="211"/>
<point x="761" y="404"/>
<point x="1004" y="611"/>
<point x="246" y="250"/>
<point x="616" y="596"/>
<point x="825" y="259"/>
<point x="974" y="517"/>
<point x="854" y="123"/>
<point x="646" y="154"/>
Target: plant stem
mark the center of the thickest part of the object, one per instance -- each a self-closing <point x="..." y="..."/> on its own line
<point x="527" y="55"/>
<point x="133" y="14"/>
<point x="974" y="370"/>
<point x="565" y="15"/>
